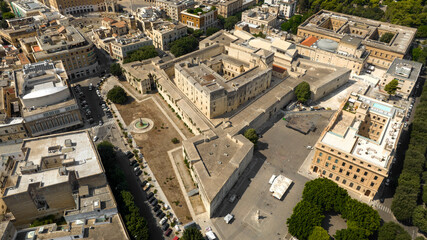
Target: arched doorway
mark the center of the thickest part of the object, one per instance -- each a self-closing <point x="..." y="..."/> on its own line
<point x="368" y="192"/>
<point x="315" y="169"/>
<point x="110" y="9"/>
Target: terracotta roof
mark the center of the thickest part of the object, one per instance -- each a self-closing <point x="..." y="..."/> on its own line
<point x="309" y="41"/>
<point x="23" y="59"/>
<point x="36" y="49"/>
<point x="61" y="29"/>
<point x="279" y="69"/>
<point x="119" y="24"/>
<point x="110" y="20"/>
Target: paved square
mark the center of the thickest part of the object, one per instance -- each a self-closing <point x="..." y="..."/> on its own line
<point x="281" y="150"/>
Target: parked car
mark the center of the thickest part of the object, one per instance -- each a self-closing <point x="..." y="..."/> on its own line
<point x="129" y="154"/>
<point x="156" y="208"/>
<point x="163" y="221"/>
<point x="95" y="138"/>
<point x="165" y="227"/>
<point x="136" y="169"/>
<point x="90" y="87"/>
<point x="150" y="195"/>
<point x="168" y="232"/>
<point x="161" y="214"/>
<point x="133" y="162"/>
<point x="151" y="200"/>
<point x="100" y="123"/>
<point x="138" y="173"/>
<point x="154" y="202"/>
<point x="144" y="183"/>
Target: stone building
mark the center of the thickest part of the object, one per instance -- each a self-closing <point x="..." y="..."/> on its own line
<point x="44" y="93"/>
<point x="357" y="148"/>
<point x="226" y="81"/>
<point x="69" y="45"/>
<point x="335" y="26"/>
<point x="287" y="8"/>
<point x="262" y="17"/>
<point x="56" y="174"/>
<point x="199" y="20"/>
<point x="406" y="72"/>
<point x="227" y="8"/>
<point x="140" y="75"/>
<point x="174" y="8"/>
<point x="164" y="32"/>
<point x="83" y="6"/>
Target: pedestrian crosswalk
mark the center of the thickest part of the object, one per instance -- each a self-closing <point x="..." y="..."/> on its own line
<point x="381" y="207"/>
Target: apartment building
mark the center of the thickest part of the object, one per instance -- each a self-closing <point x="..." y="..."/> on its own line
<point x="27" y="8"/>
<point x="164" y="32"/>
<point x="227" y="8"/>
<point x="174" y="8"/>
<point x="121" y="46"/>
<point x="199" y="19"/>
<point x="404" y="71"/>
<point x="335" y="26"/>
<point x="261" y="17"/>
<point x="55" y="176"/>
<point x="69" y="45"/>
<point x="140" y="75"/>
<point x="48" y="105"/>
<point x="83" y="6"/>
<point x="357" y="148"/>
<point x="228" y="80"/>
<point x="287" y="8"/>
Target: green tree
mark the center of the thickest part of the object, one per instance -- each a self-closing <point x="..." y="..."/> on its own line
<point x="326" y="194"/>
<point x="350" y="234"/>
<point x="392" y="231"/>
<point x="117" y="95"/>
<point x="230" y="22"/>
<point x="211" y="31"/>
<point x="361" y="215"/>
<point x="304" y="218"/>
<point x="8" y="15"/>
<point x="422" y="32"/>
<point x="251" y="135"/>
<point x="184" y="45"/>
<point x="302" y="92"/>
<point x="420" y="238"/>
<point x="141" y="54"/>
<point x="116" y="69"/>
<point x="192" y="234"/>
<point x="419" y="218"/>
<point x="319" y="234"/>
<point x="386" y="37"/>
<point x="198" y="33"/>
<point x="4" y="24"/>
<point x="391" y="87"/>
<point x="419" y="54"/>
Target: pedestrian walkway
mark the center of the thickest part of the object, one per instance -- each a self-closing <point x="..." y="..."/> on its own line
<point x="376" y="204"/>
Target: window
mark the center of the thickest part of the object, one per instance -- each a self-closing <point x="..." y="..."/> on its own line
<point x="351" y="167"/>
<point x="344" y="181"/>
<point x="333" y="167"/>
<point x="355" y="176"/>
<point x="318" y="161"/>
<point x="348" y="174"/>
<point x="358" y="170"/>
<point x="324" y="172"/>
<point x="329" y="158"/>
<point x="366" y="173"/>
<point x="350" y="185"/>
<point x="372" y="184"/>
<point x="320" y="154"/>
<point x="326" y="164"/>
<point x="362" y="179"/>
<point x="330" y="175"/>
<point x="358" y="188"/>
<point x="343" y="164"/>
<point x="340" y="170"/>
<point x="337" y="178"/>
<point x="376" y="177"/>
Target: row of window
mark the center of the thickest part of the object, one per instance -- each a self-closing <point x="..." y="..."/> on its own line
<point x="346" y="156"/>
<point x="344" y="181"/>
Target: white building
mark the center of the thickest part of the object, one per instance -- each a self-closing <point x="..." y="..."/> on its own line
<point x="287" y="8"/>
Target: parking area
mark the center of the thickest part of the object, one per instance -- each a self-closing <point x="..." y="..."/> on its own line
<point x="281" y="150"/>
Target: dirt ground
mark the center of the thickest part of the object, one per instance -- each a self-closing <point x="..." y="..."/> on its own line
<point x="155" y="144"/>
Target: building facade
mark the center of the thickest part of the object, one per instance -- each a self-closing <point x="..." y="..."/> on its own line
<point x="53" y="170"/>
<point x="80" y="6"/>
<point x="261" y="16"/>
<point x="164" y="32"/>
<point x="227" y="8"/>
<point x="70" y="46"/>
<point x="173" y="9"/>
<point x="334" y="26"/>
<point x="200" y="20"/>
<point x="120" y="47"/>
<point x="406" y="72"/>
<point x="140" y="75"/>
<point x="48" y="105"/>
<point x="356" y="149"/>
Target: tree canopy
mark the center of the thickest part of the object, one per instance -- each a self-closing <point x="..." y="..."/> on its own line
<point x="211" y="31"/>
<point x="326" y="194"/>
<point x="386" y="37"/>
<point x="116" y="69"/>
<point x="302" y="92"/>
<point x="350" y="234"/>
<point x="251" y="135"/>
<point x="304" y="218"/>
<point x="291" y="25"/>
<point x="230" y="22"/>
<point x="391" y="87"/>
<point x="141" y="54"/>
<point x="319" y="234"/>
<point x="362" y="216"/>
<point x="184" y="45"/>
<point x="117" y="95"/>
<point x="392" y="231"/>
<point x="192" y="234"/>
<point x="419" y="218"/>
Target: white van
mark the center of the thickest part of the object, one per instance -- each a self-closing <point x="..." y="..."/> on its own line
<point x="163" y="221"/>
